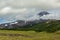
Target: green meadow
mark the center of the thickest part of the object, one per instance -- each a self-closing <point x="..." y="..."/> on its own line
<point x="29" y="35"/>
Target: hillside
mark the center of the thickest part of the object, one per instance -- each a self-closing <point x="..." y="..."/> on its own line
<point x="48" y="26"/>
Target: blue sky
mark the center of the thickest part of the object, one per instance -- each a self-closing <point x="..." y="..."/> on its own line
<point x="11" y="10"/>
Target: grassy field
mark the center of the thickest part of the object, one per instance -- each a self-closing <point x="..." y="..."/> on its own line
<point x="28" y="35"/>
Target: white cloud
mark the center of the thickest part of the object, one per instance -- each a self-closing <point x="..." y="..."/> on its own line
<point x="52" y="16"/>
<point x="9" y="13"/>
<point x="43" y="4"/>
<point x="11" y="10"/>
<point x="34" y="17"/>
<point x="23" y="9"/>
<point x="5" y="10"/>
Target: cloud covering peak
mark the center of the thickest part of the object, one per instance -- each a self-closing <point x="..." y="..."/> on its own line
<point x="28" y="9"/>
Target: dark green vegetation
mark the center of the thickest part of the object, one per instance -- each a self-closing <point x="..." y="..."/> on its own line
<point x="48" y="26"/>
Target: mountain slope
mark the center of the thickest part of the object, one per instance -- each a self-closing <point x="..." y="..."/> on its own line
<point x="48" y="26"/>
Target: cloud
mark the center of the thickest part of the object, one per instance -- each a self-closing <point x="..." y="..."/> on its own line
<point x="9" y="13"/>
<point x="35" y="17"/>
<point x="9" y="9"/>
<point x="53" y="15"/>
<point x="43" y="4"/>
<point x="28" y="9"/>
<point x="5" y="10"/>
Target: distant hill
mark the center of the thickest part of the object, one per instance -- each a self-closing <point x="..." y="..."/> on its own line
<point x="48" y="25"/>
<point x="21" y="23"/>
